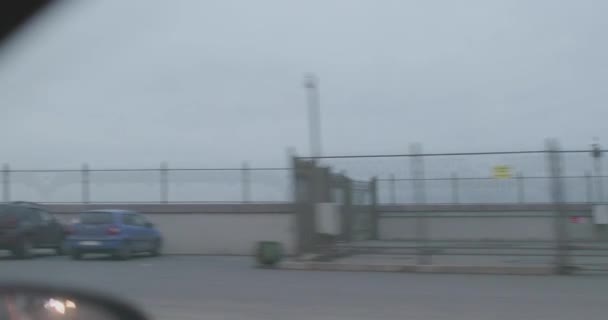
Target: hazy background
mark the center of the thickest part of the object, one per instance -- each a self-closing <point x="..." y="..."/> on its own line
<point x="212" y="83"/>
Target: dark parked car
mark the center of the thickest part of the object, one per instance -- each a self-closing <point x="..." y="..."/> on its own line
<point x="120" y="233"/>
<point x="25" y="226"/>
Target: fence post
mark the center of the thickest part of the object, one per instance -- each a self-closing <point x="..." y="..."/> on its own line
<point x="164" y="182"/>
<point x="419" y="187"/>
<point x="347" y="212"/>
<point x="560" y="216"/>
<point x="6" y="182"/>
<point x="85" y="183"/>
<point x="596" y="153"/>
<point x="306" y="176"/>
<point x="323" y="182"/>
<point x="589" y="187"/>
<point x="245" y="183"/>
<point x="455" y="190"/>
<point x="521" y="188"/>
<point x="291" y="189"/>
<point x="393" y="189"/>
<point x="301" y="200"/>
<point x="373" y="189"/>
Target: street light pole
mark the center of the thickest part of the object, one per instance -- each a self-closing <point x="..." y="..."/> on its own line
<point x="311" y="84"/>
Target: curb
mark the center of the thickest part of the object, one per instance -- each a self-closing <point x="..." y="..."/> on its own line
<point x="332" y="266"/>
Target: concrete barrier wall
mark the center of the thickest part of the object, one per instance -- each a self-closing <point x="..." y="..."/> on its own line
<point x="233" y="229"/>
<point x="224" y="229"/>
<point x="225" y="234"/>
<point x="484" y="222"/>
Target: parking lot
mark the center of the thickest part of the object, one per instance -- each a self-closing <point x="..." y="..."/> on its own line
<point x="212" y="287"/>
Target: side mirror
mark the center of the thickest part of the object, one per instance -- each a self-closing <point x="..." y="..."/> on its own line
<point x="38" y="302"/>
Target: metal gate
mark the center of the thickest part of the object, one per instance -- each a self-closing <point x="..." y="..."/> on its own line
<point x="361" y="210"/>
<point x="354" y="199"/>
<point x="514" y="208"/>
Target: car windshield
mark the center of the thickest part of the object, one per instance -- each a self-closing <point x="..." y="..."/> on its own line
<point x="96" y="218"/>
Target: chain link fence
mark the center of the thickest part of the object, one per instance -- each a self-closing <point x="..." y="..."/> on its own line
<point x="474" y="178"/>
<point x="157" y="185"/>
<point x="519" y="208"/>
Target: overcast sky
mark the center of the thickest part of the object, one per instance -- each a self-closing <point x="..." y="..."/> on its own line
<point x="213" y="83"/>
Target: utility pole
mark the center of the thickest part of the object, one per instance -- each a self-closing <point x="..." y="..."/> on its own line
<point x="311" y="84"/>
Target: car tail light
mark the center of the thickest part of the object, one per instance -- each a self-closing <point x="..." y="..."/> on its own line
<point x="112" y="230"/>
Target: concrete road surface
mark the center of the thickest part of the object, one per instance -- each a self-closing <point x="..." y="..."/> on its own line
<point x="198" y="287"/>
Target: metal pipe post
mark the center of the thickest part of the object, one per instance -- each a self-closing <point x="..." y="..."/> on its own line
<point x="291" y="176"/>
<point x="245" y="183"/>
<point x="300" y="186"/>
<point x="347" y="212"/>
<point x="588" y="187"/>
<point x="6" y="182"/>
<point x="596" y="153"/>
<point x="164" y="182"/>
<point x="419" y="186"/>
<point x="373" y="189"/>
<point x="85" y="183"/>
<point x="554" y="159"/>
<point x="393" y="189"/>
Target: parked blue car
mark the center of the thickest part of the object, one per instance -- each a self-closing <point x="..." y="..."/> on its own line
<point x="120" y="233"/>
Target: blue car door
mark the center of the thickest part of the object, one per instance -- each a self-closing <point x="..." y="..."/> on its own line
<point x="148" y="233"/>
<point x="134" y="231"/>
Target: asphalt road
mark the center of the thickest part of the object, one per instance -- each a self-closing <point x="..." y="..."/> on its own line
<point x="200" y="287"/>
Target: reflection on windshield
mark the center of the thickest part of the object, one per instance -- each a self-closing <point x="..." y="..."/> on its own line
<point x="42" y="307"/>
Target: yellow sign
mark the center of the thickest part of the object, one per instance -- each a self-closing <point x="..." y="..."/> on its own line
<point x="502" y="172"/>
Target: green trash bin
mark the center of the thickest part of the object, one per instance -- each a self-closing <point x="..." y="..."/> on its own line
<point x="268" y="253"/>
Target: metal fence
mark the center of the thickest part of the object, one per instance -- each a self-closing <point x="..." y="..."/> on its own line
<point x="471" y="178"/>
<point x="518" y="207"/>
<point x="518" y="189"/>
<point x="153" y="185"/>
<point x="315" y="184"/>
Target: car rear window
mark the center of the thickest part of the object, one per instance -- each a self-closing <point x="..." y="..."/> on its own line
<point x="96" y="218"/>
